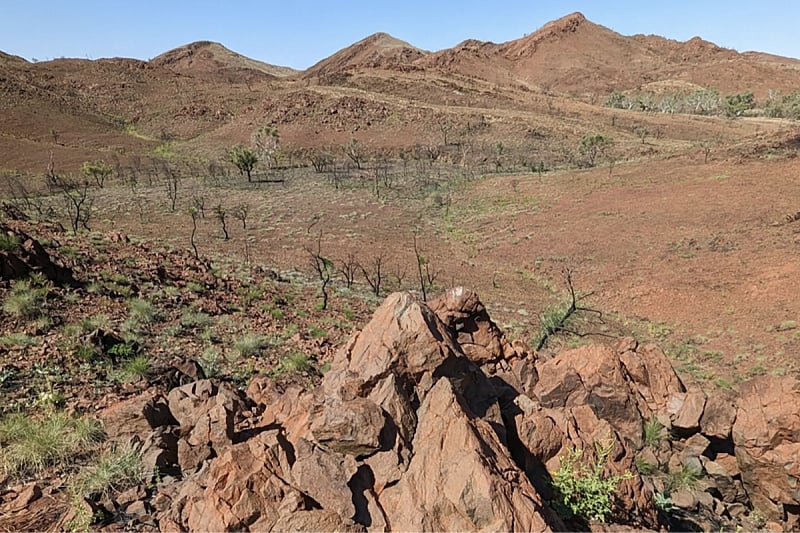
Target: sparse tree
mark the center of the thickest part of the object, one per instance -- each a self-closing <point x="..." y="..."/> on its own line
<point x="194" y="213"/>
<point x="425" y="276"/>
<point x="592" y="146"/>
<point x="171" y="185"/>
<point x="348" y="268"/>
<point x="324" y="268"/>
<point x="268" y="143"/>
<point x="374" y="274"/>
<point x="240" y="213"/>
<point x="244" y="159"/>
<point x="97" y="170"/>
<point x="78" y="200"/>
<point x="356" y="152"/>
<point x="222" y="216"/>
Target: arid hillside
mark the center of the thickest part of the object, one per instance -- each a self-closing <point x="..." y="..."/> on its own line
<point x="191" y="246"/>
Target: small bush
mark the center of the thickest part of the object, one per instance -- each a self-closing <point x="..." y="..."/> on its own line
<point x="582" y="491"/>
<point x="25" y="300"/>
<point x="653" y="432"/>
<point x="135" y="369"/>
<point x="115" y="470"/>
<point x="9" y="242"/>
<point x="28" y="446"/>
<point x="296" y="362"/>
<point x="195" y="320"/>
<point x="142" y="311"/>
<point x="21" y="340"/>
<point x="249" y="345"/>
<point x="685" y="478"/>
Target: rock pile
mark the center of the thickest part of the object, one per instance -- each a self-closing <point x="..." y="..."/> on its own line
<point x="430" y="419"/>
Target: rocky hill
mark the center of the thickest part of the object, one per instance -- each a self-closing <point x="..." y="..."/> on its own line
<point x="426" y="419"/>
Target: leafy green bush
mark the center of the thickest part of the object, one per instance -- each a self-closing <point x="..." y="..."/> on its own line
<point x="249" y="345"/>
<point x="581" y="490"/>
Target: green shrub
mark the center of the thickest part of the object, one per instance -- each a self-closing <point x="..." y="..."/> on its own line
<point x="115" y="470"/>
<point x="249" y="345"/>
<point x="22" y="340"/>
<point x="195" y="320"/>
<point x="28" y="446"/>
<point x="581" y="490"/>
<point x="141" y="311"/>
<point x="653" y="432"/>
<point x="685" y="478"/>
<point x="25" y="299"/>
<point x="296" y="362"/>
<point x="9" y="242"/>
<point x="135" y="369"/>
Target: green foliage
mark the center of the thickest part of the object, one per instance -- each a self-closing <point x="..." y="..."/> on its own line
<point x="9" y="242"/>
<point x="686" y="478"/>
<point x="142" y="311"/>
<point x="26" y="299"/>
<point x="316" y="333"/>
<point x="737" y="104"/>
<point x="643" y="467"/>
<point x="22" y="340"/>
<point x="581" y="490"/>
<point x="296" y="362"/>
<point x="244" y="159"/>
<point x="552" y="320"/>
<point x="97" y="170"/>
<point x="653" y="432"/>
<point x="592" y="146"/>
<point x="28" y="445"/>
<point x="115" y="470"/>
<point x="249" y="345"/>
<point x="195" y="320"/>
<point x="788" y="106"/>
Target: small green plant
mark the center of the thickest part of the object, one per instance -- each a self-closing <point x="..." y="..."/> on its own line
<point x="316" y="333"/>
<point x="296" y="362"/>
<point x="195" y="287"/>
<point x="211" y="363"/>
<point x="85" y="351"/>
<point x="9" y="242"/>
<point x="115" y="470"/>
<point x="135" y="369"/>
<point x="19" y="340"/>
<point x="195" y="320"/>
<point x="121" y="350"/>
<point x="249" y="345"/>
<point x="26" y="299"/>
<point x="28" y="445"/>
<point x="142" y="311"/>
<point x="582" y="490"/>
<point x="663" y="502"/>
<point x="685" y="478"/>
<point x="643" y="467"/>
<point x="653" y="432"/>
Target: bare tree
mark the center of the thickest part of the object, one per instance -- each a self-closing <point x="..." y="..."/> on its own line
<point x="348" y="268"/>
<point x="222" y="216"/>
<point x="193" y="212"/>
<point x="374" y="274"/>
<point x="323" y="267"/>
<point x="240" y="213"/>
<point x="77" y="198"/>
<point x="356" y="151"/>
<point x="425" y="276"/>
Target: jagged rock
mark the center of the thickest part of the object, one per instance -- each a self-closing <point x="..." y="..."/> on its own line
<point x="722" y="479"/>
<point x="160" y="449"/>
<point x="324" y="475"/>
<point x="652" y="375"/>
<point x="351" y="427"/>
<point x="477" y="335"/>
<point x="246" y="488"/>
<point x="461" y="478"/>
<point x="766" y="435"/>
<point x="291" y="409"/>
<point x="718" y="416"/>
<point x="593" y="376"/>
<point x="23" y="496"/>
<point x="126" y="418"/>
<point x="30" y="256"/>
<point x="156" y="412"/>
<point x="686" y="409"/>
<point x="684" y="499"/>
<point x="191" y="401"/>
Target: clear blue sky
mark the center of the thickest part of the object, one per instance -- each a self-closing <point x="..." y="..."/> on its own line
<point x="298" y="33"/>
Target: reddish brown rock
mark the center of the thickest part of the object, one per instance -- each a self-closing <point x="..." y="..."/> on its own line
<point x="477" y="335"/>
<point x="324" y="475"/>
<point x="351" y="427"/>
<point x="686" y="409"/>
<point x="652" y="376"/>
<point x="718" y="416"/>
<point x="461" y="478"/>
<point x="767" y="439"/>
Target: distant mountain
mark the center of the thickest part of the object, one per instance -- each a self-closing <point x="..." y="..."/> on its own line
<point x="378" y="51"/>
<point x="210" y="60"/>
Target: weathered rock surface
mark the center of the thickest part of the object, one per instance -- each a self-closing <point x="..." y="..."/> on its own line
<point x="431" y="420"/>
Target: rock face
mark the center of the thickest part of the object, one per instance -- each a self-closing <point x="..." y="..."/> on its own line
<point x="25" y="255"/>
<point x="431" y="420"/>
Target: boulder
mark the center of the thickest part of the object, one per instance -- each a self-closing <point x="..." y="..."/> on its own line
<point x="766" y="435"/>
<point x="718" y="416"/>
<point x="460" y="478"/>
<point x="685" y="410"/>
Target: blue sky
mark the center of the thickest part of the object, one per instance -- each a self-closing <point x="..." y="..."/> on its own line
<point x="298" y="33"/>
